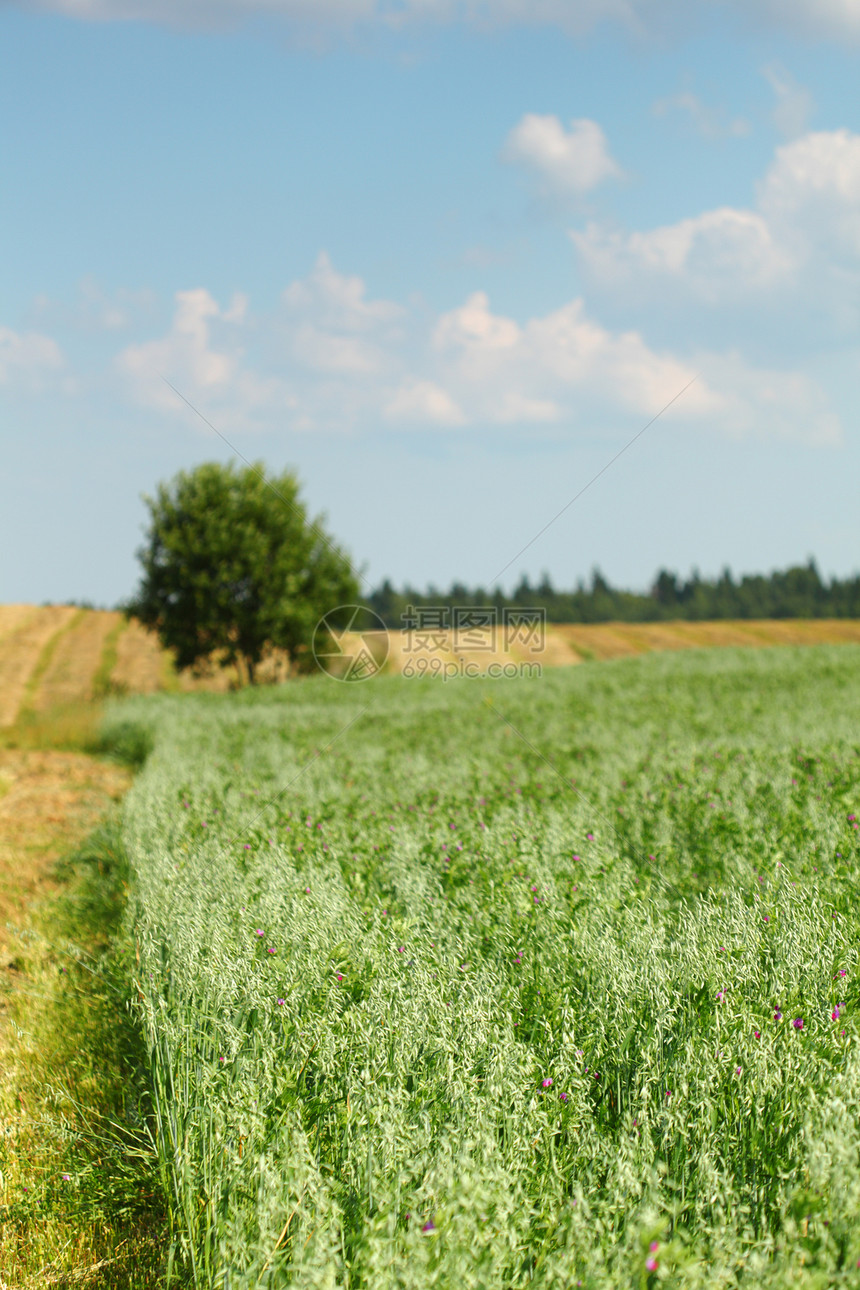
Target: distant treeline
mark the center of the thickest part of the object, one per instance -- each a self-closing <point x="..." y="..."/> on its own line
<point x="798" y="592"/>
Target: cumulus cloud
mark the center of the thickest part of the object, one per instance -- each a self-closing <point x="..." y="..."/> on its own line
<point x="468" y="367"/>
<point x="811" y="195"/>
<point x="802" y="240"/>
<point x="318" y="362"/>
<point x="565" y="370"/>
<point x="713" y="256"/>
<point x="330" y="326"/>
<point x="503" y="372"/>
<point x="421" y="402"/>
<point x="821" y="19"/>
<point x="28" y="359"/>
<point x="338" y="300"/>
<point x="208" y="371"/>
<point x="769" y="401"/>
<point x="567" y="162"/>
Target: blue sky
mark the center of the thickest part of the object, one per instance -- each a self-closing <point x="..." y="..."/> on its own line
<point x="444" y="260"/>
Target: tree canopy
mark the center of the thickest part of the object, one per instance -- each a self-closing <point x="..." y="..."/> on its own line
<point x="232" y="564"/>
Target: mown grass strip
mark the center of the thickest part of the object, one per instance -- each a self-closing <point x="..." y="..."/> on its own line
<point x="27" y="709"/>
<point x="103" y="685"/>
<point x="79" y="1200"/>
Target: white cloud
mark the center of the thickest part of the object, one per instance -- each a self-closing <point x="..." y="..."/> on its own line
<point x="572" y="162"/>
<point x="811" y="195"/>
<point x="468" y="368"/>
<point x="185" y="352"/>
<point x="211" y="375"/>
<point x="330" y="326"/>
<point x="338" y="301"/>
<point x="713" y="256"/>
<point x="769" y="401"/>
<point x="501" y="372"/>
<point x="473" y="326"/>
<point x="422" y="402"/>
<point x="820" y="19"/>
<point x="709" y="122"/>
<point x="794" y="103"/>
<point x="801" y="242"/>
<point x="28" y="359"/>
<point x="327" y="350"/>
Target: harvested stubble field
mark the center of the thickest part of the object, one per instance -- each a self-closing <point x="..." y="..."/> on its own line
<point x="58" y="657"/>
<point x="543" y="983"/>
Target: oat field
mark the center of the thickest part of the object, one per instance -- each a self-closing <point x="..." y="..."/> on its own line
<point x="540" y="983"/>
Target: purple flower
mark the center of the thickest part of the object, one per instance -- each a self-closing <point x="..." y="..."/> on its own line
<point x="67" y="1177"/>
<point x="777" y="1016"/>
<point x="798" y="1023"/>
<point x="260" y="932"/>
<point x="280" y="1005"/>
<point x="834" y="1016"/>
<point x="270" y="950"/>
<point x="562" y="1097"/>
<point x="430" y="1226"/>
<point x="547" y="1083"/>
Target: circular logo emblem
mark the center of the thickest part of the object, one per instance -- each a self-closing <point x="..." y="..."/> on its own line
<point x="350" y="643"/>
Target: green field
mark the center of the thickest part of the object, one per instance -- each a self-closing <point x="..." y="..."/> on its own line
<point x="497" y="984"/>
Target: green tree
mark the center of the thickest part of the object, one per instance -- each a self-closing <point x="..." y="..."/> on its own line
<point x="232" y="563"/>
